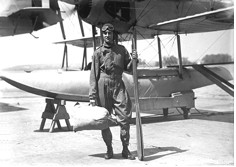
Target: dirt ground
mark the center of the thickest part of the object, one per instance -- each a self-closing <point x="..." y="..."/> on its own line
<point x="206" y="139"/>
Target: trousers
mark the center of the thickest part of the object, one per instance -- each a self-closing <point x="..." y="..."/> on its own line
<point x="114" y="97"/>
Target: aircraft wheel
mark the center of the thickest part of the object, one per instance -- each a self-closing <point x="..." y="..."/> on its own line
<point x="186" y="112"/>
<point x="165" y="112"/>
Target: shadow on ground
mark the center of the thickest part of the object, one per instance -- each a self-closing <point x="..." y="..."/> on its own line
<point x="150" y="153"/>
<point x="5" y="107"/>
<point x="159" y="152"/>
<point x="226" y="116"/>
<point x="56" y="130"/>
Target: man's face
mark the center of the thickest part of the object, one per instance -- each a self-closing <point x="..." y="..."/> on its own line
<point x="108" y="36"/>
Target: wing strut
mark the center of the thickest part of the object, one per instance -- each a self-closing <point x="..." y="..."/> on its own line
<point x="101" y="40"/>
<point x="218" y="80"/>
<point x="159" y="51"/>
<point x="139" y="133"/>
<point x="179" y="56"/>
<point x="80" y="20"/>
<point x="65" y="57"/>
<point x="94" y="39"/>
<point x="84" y="62"/>
<point x="65" y="54"/>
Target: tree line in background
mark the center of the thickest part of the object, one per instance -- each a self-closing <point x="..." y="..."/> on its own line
<point x="172" y="60"/>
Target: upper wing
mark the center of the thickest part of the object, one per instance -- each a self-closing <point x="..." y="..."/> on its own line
<point x="41" y="17"/>
<point x="220" y="19"/>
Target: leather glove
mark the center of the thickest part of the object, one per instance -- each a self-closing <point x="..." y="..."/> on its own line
<point x="134" y="54"/>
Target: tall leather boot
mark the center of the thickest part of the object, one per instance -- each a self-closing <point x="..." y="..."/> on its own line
<point x="109" y="153"/>
<point x="125" y="136"/>
<point x="127" y="154"/>
<point x="107" y="137"/>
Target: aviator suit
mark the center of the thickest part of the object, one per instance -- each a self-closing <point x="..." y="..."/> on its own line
<point x="107" y="87"/>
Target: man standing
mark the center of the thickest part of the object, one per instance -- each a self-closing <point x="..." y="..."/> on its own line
<point x="107" y="88"/>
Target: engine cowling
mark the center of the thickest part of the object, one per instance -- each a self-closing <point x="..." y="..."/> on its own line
<point x="119" y="13"/>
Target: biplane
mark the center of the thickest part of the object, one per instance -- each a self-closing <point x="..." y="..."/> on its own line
<point x="150" y="88"/>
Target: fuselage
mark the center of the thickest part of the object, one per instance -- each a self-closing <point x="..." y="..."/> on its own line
<point x="74" y="85"/>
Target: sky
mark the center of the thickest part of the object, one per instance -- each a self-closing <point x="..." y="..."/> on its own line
<point x="25" y="49"/>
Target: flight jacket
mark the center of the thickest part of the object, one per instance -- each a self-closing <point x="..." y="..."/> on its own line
<point x="111" y="60"/>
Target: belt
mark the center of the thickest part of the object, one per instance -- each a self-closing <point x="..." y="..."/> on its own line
<point x="111" y="76"/>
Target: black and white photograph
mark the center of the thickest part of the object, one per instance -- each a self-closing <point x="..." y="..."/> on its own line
<point x="105" y="83"/>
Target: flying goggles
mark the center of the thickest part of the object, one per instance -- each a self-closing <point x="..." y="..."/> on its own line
<point x="108" y="27"/>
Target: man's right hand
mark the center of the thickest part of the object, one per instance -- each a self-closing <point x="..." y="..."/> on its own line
<point x="134" y="54"/>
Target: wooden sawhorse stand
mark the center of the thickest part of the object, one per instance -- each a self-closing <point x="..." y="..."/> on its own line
<point x="55" y="114"/>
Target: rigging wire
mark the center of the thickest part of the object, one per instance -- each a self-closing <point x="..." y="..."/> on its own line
<point x="149" y="44"/>
<point x="199" y="3"/>
<point x="190" y="7"/>
<point x="213" y="2"/>
<point x="171" y="49"/>
<point x="146" y="12"/>
<point x="203" y="54"/>
<point x="129" y="36"/>
<point x="203" y="5"/>
<point x="168" y="52"/>
<point x="143" y="10"/>
<point x="182" y="8"/>
<point x="141" y="15"/>
<point x="177" y="6"/>
<point x="173" y="38"/>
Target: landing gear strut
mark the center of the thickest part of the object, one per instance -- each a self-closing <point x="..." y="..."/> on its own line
<point x="165" y="112"/>
<point x="186" y="112"/>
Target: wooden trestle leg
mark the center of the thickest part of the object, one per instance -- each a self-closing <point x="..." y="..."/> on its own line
<point x="55" y="114"/>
